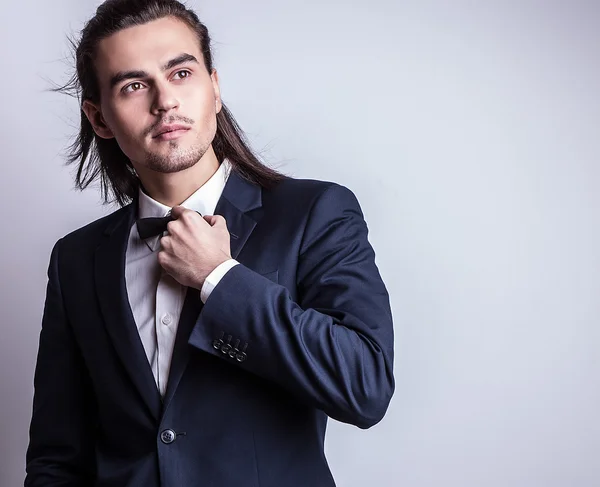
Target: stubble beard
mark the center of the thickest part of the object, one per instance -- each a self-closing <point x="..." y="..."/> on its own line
<point x="177" y="159"/>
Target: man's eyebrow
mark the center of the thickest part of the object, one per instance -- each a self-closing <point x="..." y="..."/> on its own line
<point x="123" y="75"/>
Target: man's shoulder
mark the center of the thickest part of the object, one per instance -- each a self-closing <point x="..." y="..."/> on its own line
<point x="302" y="190"/>
<point x="302" y="196"/>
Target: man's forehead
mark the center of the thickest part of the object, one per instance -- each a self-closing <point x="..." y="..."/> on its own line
<point x="146" y="46"/>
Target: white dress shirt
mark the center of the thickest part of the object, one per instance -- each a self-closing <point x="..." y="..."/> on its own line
<point x="156" y="298"/>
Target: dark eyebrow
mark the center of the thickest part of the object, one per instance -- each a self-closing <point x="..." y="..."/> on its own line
<point x="123" y="75"/>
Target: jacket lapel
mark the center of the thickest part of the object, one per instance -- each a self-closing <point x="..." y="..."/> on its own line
<point x="238" y="198"/>
<point x="114" y="304"/>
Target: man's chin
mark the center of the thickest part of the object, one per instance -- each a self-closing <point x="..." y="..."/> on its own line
<point x="172" y="163"/>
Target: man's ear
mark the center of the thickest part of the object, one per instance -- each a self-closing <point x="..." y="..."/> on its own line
<point x="215" y="81"/>
<point x="94" y="115"/>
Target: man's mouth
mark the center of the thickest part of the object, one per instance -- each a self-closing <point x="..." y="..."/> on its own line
<point x="166" y="129"/>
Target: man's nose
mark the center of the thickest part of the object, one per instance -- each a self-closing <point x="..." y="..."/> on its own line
<point x="165" y="98"/>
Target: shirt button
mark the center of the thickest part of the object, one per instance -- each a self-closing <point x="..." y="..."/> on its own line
<point x="167" y="436"/>
<point x="166" y="319"/>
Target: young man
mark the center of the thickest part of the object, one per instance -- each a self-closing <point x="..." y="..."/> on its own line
<point x="202" y="333"/>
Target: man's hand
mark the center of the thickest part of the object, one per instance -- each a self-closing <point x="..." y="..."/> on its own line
<point x="194" y="247"/>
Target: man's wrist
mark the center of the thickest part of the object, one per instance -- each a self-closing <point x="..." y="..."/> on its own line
<point x="214" y="277"/>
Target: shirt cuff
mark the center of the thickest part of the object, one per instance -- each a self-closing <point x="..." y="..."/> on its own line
<point x="214" y="277"/>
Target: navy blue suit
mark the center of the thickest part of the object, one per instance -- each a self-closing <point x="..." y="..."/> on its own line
<point x="301" y="330"/>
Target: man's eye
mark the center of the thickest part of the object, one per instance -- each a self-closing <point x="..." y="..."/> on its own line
<point x="127" y="90"/>
<point x="187" y="73"/>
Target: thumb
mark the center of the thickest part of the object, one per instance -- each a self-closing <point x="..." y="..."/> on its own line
<point x="215" y="220"/>
<point x="211" y="219"/>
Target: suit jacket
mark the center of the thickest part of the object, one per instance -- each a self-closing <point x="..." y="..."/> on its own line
<point x="300" y="331"/>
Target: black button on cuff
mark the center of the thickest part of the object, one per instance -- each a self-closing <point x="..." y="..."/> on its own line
<point x="241" y="356"/>
<point x="233" y="352"/>
<point x="218" y="342"/>
<point x="226" y="347"/>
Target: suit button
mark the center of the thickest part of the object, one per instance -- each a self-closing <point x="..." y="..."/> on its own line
<point x="226" y="347"/>
<point x="167" y="436"/>
<point x="232" y="353"/>
<point x="241" y="356"/>
<point x="218" y="342"/>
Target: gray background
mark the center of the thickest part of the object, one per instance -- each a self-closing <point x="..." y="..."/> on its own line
<point x="469" y="132"/>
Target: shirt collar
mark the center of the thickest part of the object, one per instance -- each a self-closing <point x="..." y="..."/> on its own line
<point x="203" y="200"/>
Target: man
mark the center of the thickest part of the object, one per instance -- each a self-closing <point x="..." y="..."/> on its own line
<point x="202" y="333"/>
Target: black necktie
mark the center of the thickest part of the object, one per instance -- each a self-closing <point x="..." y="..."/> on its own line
<point x="150" y="227"/>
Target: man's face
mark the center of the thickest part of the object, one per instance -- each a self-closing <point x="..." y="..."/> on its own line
<point x="138" y="95"/>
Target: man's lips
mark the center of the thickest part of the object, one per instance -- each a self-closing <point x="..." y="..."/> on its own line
<point x="169" y="128"/>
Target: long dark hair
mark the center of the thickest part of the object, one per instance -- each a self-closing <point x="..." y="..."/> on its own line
<point x="103" y="159"/>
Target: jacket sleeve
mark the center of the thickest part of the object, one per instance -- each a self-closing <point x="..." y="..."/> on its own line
<point x="61" y="437"/>
<point x="333" y="348"/>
